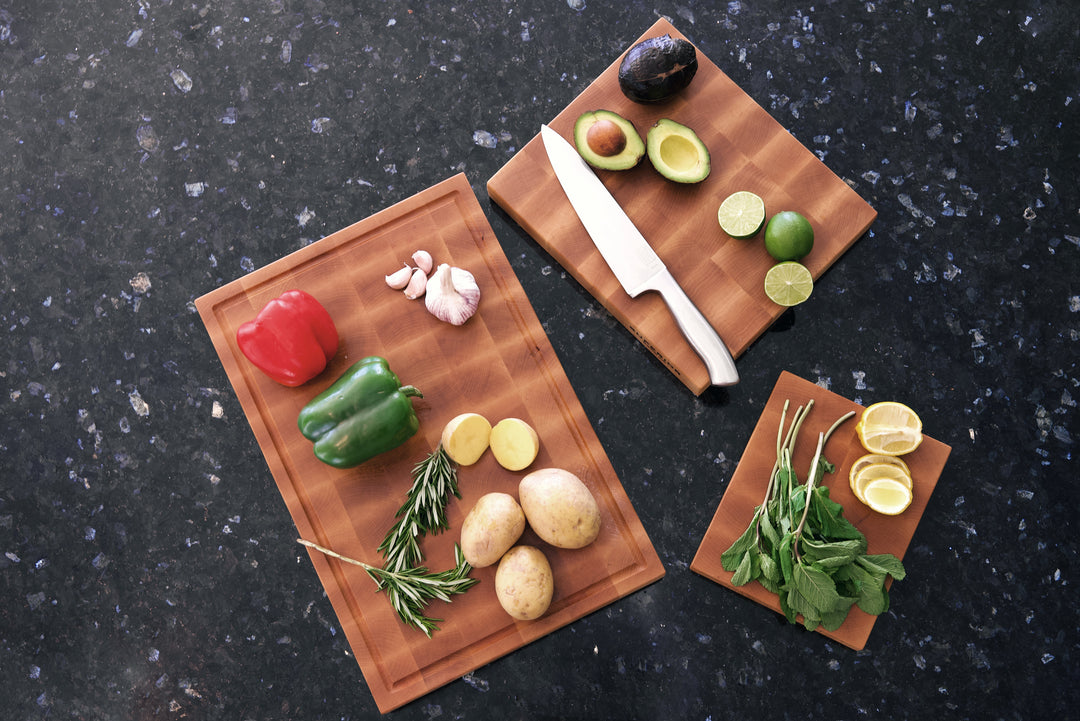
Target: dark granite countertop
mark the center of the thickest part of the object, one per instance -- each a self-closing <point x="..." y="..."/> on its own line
<point x="152" y="151"/>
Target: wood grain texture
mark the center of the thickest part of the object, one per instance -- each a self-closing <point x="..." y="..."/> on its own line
<point x="500" y="363"/>
<point x="724" y="277"/>
<point x="884" y="534"/>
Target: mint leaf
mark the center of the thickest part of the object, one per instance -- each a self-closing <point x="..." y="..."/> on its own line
<point x="834" y="619"/>
<point x="783" y="594"/>
<point x="884" y="563"/>
<point x="768" y="530"/>
<point x="819" y="551"/>
<point x="730" y="559"/>
<point x="748" y="568"/>
<point x="872" y="596"/>
<point x="784" y="553"/>
<point x="817" y="587"/>
<point x="770" y="586"/>
<point x="770" y="569"/>
<point x="799" y="603"/>
<point x="829" y="518"/>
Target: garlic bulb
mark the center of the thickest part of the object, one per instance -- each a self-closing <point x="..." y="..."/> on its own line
<point x="417" y="284"/>
<point x="452" y="294"/>
<point x="399" y="279"/>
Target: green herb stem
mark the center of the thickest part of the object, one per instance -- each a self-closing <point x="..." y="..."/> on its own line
<point x="809" y="489"/>
<point x="410" y="590"/>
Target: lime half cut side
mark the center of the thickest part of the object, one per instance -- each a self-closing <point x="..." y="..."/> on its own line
<point x="788" y="283"/>
<point x="742" y="214"/>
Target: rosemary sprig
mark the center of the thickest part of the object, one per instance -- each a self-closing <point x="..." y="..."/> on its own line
<point x="411" y="589"/>
<point x="424" y="511"/>
<point x="408" y="585"/>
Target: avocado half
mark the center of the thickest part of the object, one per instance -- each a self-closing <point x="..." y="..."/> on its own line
<point x="677" y="152"/>
<point x="607" y="140"/>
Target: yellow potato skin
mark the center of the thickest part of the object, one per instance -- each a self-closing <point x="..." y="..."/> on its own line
<point x="493" y="525"/>
<point x="559" y="507"/>
<point x="523" y="583"/>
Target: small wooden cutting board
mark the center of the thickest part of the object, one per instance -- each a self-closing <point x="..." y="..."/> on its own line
<point x="724" y="277"/>
<point x="746" y="490"/>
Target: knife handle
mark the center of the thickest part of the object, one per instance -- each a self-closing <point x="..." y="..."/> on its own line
<point x="697" y="329"/>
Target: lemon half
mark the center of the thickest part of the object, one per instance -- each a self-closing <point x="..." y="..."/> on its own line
<point x="889" y="428"/>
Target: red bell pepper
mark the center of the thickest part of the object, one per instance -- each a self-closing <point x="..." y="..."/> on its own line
<point x="291" y="339"/>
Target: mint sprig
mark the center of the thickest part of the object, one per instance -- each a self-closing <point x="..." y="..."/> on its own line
<point x="799" y="546"/>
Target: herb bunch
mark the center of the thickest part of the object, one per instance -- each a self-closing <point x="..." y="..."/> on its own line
<point x="800" y="547"/>
<point x="408" y="585"/>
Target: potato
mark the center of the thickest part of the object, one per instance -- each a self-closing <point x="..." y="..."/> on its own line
<point x="514" y="443"/>
<point x="466" y="437"/>
<point x="493" y="525"/>
<point x="559" y="508"/>
<point x="523" y="583"/>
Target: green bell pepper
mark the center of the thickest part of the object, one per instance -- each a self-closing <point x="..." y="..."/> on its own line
<point x="364" y="413"/>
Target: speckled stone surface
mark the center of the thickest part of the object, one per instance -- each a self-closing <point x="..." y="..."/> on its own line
<point x="152" y="151"/>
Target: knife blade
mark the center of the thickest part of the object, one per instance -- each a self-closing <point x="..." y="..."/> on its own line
<point x="629" y="255"/>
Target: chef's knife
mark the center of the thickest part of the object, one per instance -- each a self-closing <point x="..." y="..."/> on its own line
<point x="628" y="254"/>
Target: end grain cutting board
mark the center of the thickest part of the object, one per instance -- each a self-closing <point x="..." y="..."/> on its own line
<point x="500" y="364"/>
<point x="724" y="277"/>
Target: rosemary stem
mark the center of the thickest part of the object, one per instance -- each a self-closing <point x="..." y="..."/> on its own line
<point x="333" y="554"/>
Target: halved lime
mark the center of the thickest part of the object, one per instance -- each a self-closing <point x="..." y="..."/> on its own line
<point x="788" y="283"/>
<point x="742" y="214"/>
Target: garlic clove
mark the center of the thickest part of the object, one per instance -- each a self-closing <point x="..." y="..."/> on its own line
<point x="452" y="294"/>
<point x="423" y="261"/>
<point x="417" y="284"/>
<point x="399" y="279"/>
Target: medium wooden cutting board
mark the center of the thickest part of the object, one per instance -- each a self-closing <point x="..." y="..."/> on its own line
<point x="499" y="363"/>
<point x="724" y="277"/>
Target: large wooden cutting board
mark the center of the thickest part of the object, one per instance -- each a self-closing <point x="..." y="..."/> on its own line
<point x="500" y="364"/>
<point x="724" y="277"/>
<point x="884" y="534"/>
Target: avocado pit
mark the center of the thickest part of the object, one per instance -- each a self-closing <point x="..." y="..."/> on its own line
<point x="605" y="138"/>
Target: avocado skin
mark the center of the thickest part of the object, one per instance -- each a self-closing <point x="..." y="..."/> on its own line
<point x="630" y="156"/>
<point x="656" y="68"/>
<point x="689" y="147"/>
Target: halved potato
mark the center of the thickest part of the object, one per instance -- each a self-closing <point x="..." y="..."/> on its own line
<point x="466" y="437"/>
<point x="514" y="444"/>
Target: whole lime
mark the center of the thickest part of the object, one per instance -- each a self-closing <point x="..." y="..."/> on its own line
<point x="789" y="236"/>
